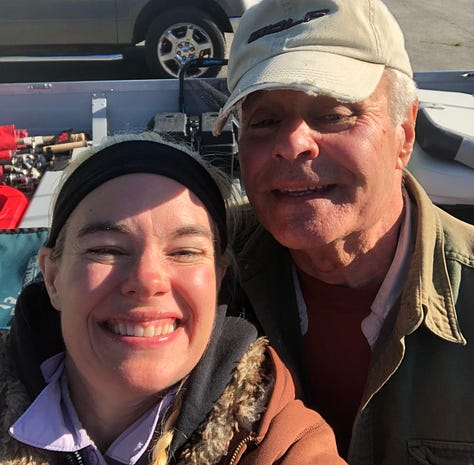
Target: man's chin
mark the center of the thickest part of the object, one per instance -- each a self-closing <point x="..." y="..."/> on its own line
<point x="303" y="238"/>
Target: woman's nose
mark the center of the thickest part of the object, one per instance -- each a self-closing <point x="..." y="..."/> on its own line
<point x="147" y="277"/>
<point x="296" y="140"/>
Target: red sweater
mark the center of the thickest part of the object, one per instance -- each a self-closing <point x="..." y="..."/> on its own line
<point x="337" y="352"/>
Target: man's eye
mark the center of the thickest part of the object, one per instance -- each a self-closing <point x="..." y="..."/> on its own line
<point x="335" y="118"/>
<point x="262" y="123"/>
<point x="334" y="122"/>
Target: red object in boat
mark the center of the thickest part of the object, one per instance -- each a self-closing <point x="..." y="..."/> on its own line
<point x="8" y="140"/>
<point x="7" y="137"/>
<point x="13" y="204"/>
<point x="5" y="155"/>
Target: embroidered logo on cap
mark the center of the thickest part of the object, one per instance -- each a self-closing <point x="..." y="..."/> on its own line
<point x="286" y="24"/>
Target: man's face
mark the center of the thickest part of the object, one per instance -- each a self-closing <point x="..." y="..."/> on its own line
<point x="317" y="171"/>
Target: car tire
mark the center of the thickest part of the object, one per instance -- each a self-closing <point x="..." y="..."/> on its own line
<point x="180" y="35"/>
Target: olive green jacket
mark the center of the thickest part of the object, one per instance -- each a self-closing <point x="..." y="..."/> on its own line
<point x="418" y="404"/>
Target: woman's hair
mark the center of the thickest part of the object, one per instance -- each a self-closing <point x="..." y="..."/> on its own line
<point x="159" y="453"/>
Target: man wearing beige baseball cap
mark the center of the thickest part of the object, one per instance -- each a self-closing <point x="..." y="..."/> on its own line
<point x="362" y="284"/>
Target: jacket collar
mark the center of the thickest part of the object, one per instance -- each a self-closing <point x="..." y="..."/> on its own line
<point x="230" y="339"/>
<point x="428" y="295"/>
<point x="273" y="298"/>
<point x="427" y="298"/>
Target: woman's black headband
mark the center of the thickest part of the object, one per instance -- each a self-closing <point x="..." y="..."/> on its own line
<point x="139" y="156"/>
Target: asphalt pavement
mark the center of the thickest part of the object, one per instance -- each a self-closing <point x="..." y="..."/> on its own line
<point x="439" y="36"/>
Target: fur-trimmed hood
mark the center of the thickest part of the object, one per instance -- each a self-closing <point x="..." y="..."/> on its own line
<point x="238" y="405"/>
<point x="238" y="409"/>
<point x="255" y="421"/>
<point x="236" y="412"/>
<point x="14" y="400"/>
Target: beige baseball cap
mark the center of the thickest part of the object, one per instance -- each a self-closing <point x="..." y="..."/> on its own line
<point x="337" y="48"/>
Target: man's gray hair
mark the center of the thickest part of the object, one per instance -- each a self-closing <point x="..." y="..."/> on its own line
<point x="403" y="94"/>
<point x="402" y="90"/>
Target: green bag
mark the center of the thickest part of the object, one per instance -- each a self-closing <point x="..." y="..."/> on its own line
<point x="18" y="266"/>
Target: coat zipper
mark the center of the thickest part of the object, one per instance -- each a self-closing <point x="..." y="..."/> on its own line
<point x="307" y="430"/>
<point x="74" y="458"/>
<point x="251" y="438"/>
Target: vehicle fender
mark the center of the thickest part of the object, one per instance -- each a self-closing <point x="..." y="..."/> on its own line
<point x="153" y="8"/>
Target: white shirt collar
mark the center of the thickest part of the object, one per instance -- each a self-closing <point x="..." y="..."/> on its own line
<point x="391" y="288"/>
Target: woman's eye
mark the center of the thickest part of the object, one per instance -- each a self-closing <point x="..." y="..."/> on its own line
<point x="186" y="253"/>
<point x="104" y="251"/>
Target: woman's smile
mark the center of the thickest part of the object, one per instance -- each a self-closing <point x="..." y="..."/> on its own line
<point x="149" y="329"/>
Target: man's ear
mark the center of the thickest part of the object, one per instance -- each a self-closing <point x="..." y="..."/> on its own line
<point x="407" y="128"/>
<point x="49" y="270"/>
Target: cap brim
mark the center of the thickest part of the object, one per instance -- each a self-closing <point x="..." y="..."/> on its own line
<point x="316" y="72"/>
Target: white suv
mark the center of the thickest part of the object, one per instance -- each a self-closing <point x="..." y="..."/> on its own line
<point x="174" y="31"/>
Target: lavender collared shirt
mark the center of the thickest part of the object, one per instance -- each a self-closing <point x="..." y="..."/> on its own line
<point x="51" y="422"/>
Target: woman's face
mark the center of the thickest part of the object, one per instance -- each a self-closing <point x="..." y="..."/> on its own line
<point x="136" y="286"/>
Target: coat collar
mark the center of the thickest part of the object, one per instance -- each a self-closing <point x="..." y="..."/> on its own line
<point x="428" y="295"/>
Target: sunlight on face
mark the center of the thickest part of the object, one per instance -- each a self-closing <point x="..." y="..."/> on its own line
<point x="316" y="170"/>
<point x="136" y="286"/>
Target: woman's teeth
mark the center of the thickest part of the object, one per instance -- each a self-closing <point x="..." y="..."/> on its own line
<point x="137" y="330"/>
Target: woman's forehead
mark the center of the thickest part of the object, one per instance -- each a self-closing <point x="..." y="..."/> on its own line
<point x="138" y="193"/>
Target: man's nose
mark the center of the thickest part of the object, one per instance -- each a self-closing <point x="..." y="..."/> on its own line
<point x="148" y="276"/>
<point x="296" y="139"/>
